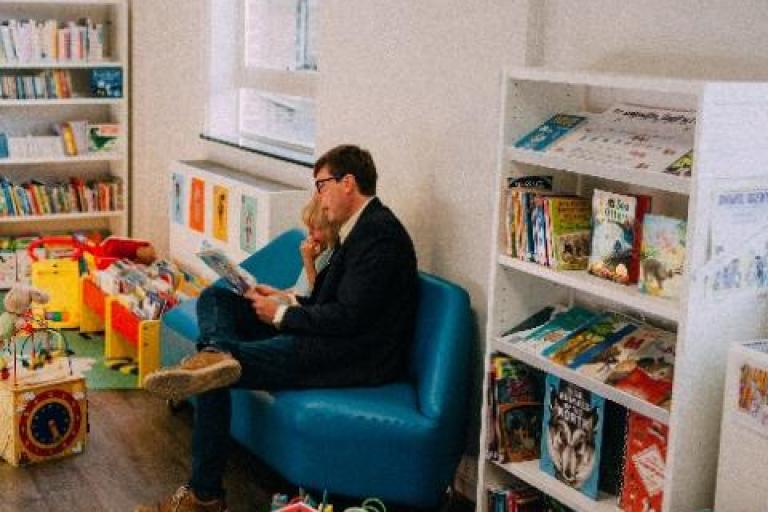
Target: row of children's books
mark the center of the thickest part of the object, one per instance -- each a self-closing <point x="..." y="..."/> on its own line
<point x="35" y="197"/>
<point x="72" y="138"/>
<point x="625" y="136"/>
<point x="612" y="235"/>
<point x="521" y="497"/>
<point x="579" y="438"/>
<point x="49" y="84"/>
<point x="148" y="290"/>
<point x="32" y="41"/>
<point x="608" y="347"/>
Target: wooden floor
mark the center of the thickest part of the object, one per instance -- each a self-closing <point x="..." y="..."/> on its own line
<point x="137" y="452"/>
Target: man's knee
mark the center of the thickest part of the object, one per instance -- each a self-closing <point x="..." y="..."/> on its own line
<point x="211" y="296"/>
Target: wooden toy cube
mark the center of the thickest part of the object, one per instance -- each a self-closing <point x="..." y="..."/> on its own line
<point x="43" y="421"/>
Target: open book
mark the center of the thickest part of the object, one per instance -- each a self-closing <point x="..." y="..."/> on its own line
<point x="235" y="276"/>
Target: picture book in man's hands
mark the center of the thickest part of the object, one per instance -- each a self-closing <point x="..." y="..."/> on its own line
<point x="235" y="276"/>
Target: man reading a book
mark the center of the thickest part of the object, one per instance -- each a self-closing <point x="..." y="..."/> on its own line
<point x="354" y="329"/>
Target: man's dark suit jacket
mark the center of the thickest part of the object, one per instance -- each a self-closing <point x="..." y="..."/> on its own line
<point x="357" y="326"/>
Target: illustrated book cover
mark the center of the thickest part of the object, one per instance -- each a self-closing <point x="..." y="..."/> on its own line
<point x="572" y="433"/>
<point x="650" y="372"/>
<point x="662" y="256"/>
<point x="645" y="464"/>
<point x="556" y="329"/>
<point x="548" y="132"/>
<point x="235" y="276"/>
<point x="617" y="221"/>
<point x="595" y="337"/>
<point x="570" y="219"/>
<point x="621" y="358"/>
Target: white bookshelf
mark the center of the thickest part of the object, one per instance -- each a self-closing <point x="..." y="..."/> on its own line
<point x="724" y="156"/>
<point x="24" y="117"/>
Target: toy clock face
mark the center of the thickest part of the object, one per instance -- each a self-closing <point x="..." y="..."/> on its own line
<point x="50" y="422"/>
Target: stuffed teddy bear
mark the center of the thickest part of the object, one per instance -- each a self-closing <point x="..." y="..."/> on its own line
<point x="17" y="301"/>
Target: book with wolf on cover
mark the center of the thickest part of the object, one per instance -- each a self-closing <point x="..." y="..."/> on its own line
<point x="617" y="223"/>
<point x="595" y="336"/>
<point x="556" y="329"/>
<point x="570" y="219"/>
<point x="644" y="467"/>
<point x="233" y="274"/>
<point x="662" y="256"/>
<point x="572" y="432"/>
<point x="549" y="131"/>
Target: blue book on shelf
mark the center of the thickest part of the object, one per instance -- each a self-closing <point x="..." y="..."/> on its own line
<point x="552" y="129"/>
<point x="572" y="432"/>
<point x="107" y="82"/>
<point x="3" y="145"/>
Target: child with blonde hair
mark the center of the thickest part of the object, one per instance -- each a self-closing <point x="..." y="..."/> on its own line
<point x="317" y="248"/>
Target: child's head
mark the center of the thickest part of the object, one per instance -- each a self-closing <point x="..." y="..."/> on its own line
<point x="320" y="228"/>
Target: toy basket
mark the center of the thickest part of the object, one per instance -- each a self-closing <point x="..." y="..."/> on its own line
<point x="60" y="278"/>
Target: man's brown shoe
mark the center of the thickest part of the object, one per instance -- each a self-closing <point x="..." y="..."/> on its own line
<point x="184" y="500"/>
<point x="195" y="374"/>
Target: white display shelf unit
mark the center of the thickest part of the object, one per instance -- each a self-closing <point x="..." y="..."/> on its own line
<point x="724" y="157"/>
<point x="33" y="117"/>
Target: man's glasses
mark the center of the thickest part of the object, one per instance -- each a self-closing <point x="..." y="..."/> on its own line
<point x="320" y="184"/>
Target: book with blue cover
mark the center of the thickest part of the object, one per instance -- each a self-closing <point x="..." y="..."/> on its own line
<point x="106" y="82"/>
<point x="572" y="433"/>
<point x="581" y="346"/>
<point x="556" y="329"/>
<point x="548" y="132"/>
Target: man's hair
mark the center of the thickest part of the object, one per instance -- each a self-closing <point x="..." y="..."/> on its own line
<point x="349" y="159"/>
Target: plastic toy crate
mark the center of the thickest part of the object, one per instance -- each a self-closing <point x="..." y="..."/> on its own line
<point x="112" y="249"/>
<point x="128" y="336"/>
<point x="93" y="307"/>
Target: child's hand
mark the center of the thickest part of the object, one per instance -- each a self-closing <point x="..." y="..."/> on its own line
<point x="309" y="250"/>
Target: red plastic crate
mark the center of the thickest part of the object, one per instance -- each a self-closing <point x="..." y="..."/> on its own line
<point x="94" y="298"/>
<point x="125" y="323"/>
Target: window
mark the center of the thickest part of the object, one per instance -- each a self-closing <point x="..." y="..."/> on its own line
<point x="263" y="75"/>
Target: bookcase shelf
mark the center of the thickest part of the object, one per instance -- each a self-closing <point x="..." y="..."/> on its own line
<point x="725" y="158"/>
<point x="90" y="157"/>
<point x="61" y="102"/>
<point x="530" y="473"/>
<point x="62" y="216"/>
<point x="651" y="179"/>
<point x="607" y="391"/>
<point x="35" y="117"/>
<point x="581" y="280"/>
<point x="62" y="65"/>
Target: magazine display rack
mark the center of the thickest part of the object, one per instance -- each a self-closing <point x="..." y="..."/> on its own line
<point x="730" y="153"/>
<point x="35" y="117"/>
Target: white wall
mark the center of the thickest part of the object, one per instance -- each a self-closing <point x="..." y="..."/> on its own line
<point x="417" y="82"/>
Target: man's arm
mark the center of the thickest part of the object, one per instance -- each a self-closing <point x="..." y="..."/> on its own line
<point x="365" y="288"/>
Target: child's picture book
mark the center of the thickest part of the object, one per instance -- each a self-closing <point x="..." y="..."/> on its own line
<point x="592" y="339"/>
<point x="233" y="274"/>
<point x="572" y="433"/>
<point x="106" y="82"/>
<point x="556" y="329"/>
<point x="515" y="227"/>
<point x="617" y="221"/>
<point x="621" y="358"/>
<point x="570" y="219"/>
<point x="649" y="374"/>
<point x="548" y="132"/>
<point x="103" y="137"/>
<point x="662" y="256"/>
<point x="646" y="453"/>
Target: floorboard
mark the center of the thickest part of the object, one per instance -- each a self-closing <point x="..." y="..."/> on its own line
<point x="137" y="452"/>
